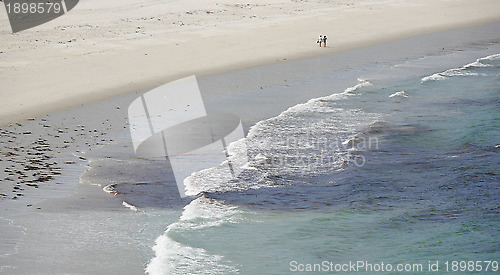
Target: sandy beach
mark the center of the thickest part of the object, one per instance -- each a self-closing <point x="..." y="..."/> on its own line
<point x="99" y="50"/>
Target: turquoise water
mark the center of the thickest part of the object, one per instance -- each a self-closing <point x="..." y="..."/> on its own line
<point x="400" y="171"/>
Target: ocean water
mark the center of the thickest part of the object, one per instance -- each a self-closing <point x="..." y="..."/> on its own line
<point x="399" y="171"/>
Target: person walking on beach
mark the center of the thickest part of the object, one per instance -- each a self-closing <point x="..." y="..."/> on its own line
<point x="324" y="41"/>
<point x="320" y="39"/>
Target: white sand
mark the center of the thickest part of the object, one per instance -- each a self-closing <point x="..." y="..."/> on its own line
<point x="103" y="48"/>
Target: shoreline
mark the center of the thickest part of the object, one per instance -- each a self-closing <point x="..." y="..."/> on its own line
<point x="84" y="72"/>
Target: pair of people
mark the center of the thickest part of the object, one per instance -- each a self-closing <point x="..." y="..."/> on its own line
<point x="322" y="39"/>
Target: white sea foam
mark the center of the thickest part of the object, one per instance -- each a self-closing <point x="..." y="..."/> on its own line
<point x="462" y="71"/>
<point x="305" y="139"/>
<point x="400" y="94"/>
<point x="206" y="212"/>
<point x="217" y="178"/>
<point x="434" y="77"/>
<point x="449" y="73"/>
<point x="477" y="64"/>
<point x="362" y="83"/>
<point x="491" y="57"/>
<point x="173" y="257"/>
